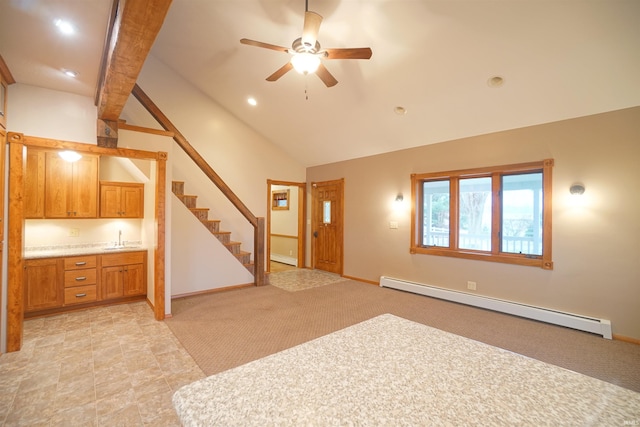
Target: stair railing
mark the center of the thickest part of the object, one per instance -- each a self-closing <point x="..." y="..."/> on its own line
<point x="258" y="223"/>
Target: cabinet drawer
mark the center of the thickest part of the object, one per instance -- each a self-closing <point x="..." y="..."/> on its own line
<point x="76" y="262"/>
<point x="124" y="258"/>
<point x="80" y="277"/>
<point x="80" y="294"/>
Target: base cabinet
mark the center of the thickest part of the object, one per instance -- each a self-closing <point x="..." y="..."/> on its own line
<point x="80" y="280"/>
<point x="54" y="285"/>
<point x="42" y="284"/>
<point x="123" y="275"/>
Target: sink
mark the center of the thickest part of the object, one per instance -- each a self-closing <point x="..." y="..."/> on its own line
<point x="121" y="248"/>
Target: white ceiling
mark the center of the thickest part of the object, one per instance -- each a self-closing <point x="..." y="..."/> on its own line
<point x="559" y="59"/>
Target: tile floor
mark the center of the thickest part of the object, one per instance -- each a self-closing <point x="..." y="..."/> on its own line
<point x="105" y="366"/>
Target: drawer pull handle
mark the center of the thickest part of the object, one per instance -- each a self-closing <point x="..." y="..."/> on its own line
<point x="81" y="263"/>
<point x="80" y="295"/>
<point x="81" y="278"/>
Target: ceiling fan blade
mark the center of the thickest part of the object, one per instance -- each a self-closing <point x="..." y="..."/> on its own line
<point x="326" y="77"/>
<point x="280" y="72"/>
<point x="264" y="45"/>
<point x="312" y="23"/>
<point x="349" y="53"/>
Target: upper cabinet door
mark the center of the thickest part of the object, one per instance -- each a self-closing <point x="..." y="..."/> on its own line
<point x="121" y="200"/>
<point x="57" y="193"/>
<point x="84" y="194"/>
<point x="71" y="189"/>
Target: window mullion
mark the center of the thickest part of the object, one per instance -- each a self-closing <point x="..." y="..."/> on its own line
<point x="547" y="262"/>
<point x="454" y="212"/>
<point x="496" y="212"/>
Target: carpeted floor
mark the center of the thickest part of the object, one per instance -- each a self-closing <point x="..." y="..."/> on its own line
<point x="391" y="371"/>
<point x="228" y="329"/>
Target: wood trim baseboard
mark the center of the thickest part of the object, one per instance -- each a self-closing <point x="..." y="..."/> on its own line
<point x="358" y="279"/>
<point x="212" y="291"/>
<point x="626" y="339"/>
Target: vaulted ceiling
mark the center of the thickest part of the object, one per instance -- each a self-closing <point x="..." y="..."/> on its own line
<point x="435" y="58"/>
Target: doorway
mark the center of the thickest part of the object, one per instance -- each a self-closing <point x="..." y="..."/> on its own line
<point x="286" y="213"/>
<point x="327" y="225"/>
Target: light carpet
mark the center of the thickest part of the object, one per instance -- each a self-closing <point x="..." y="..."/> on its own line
<point x="392" y="371"/>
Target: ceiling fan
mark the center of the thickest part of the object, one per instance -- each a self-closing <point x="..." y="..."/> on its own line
<point x="306" y="53"/>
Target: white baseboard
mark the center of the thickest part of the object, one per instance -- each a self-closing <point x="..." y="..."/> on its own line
<point x="569" y="320"/>
<point x="284" y="259"/>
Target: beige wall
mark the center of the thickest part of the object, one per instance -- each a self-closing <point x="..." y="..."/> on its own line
<point x="596" y="246"/>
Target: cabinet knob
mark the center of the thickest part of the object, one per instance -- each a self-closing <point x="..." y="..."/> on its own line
<point x="80" y="295"/>
<point x="81" y="278"/>
<point x="81" y="263"/>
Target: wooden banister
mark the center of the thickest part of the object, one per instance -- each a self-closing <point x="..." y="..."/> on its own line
<point x="257" y="223"/>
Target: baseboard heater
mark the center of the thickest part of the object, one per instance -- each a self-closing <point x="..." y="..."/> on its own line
<point x="569" y="320"/>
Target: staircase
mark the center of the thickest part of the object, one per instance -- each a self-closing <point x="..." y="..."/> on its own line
<point x="213" y="225"/>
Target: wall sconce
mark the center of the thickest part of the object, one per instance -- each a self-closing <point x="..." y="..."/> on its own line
<point x="576" y="189"/>
<point x="398" y="203"/>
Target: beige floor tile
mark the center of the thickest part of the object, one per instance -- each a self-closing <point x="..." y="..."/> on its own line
<point x="106" y="366"/>
<point x="127" y="416"/>
<point x="77" y="416"/>
<point x="32" y="407"/>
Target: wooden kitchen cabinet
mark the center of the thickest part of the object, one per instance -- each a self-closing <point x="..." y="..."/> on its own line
<point x="121" y="200"/>
<point x="43" y="284"/>
<point x="71" y="188"/>
<point x="58" y="284"/>
<point x="34" y="184"/>
<point x="80" y="280"/>
<point x="123" y="274"/>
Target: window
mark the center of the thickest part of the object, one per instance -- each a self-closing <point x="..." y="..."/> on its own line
<point x="500" y="214"/>
<point x="280" y="200"/>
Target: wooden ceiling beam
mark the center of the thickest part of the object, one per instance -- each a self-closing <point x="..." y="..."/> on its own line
<point x="132" y="32"/>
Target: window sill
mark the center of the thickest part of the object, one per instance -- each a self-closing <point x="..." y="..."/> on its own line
<point x="515" y="259"/>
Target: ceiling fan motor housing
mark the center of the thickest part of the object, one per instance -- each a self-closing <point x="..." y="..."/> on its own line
<point x="299" y="47"/>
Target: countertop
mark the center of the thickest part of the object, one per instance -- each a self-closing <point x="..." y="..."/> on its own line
<point x="35" y="252"/>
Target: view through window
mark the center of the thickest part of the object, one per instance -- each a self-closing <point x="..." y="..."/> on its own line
<point x="498" y="214"/>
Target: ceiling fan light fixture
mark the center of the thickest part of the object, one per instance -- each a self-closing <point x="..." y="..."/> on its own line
<point x="305" y="63"/>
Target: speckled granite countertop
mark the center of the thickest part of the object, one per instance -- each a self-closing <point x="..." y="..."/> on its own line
<point x="35" y="252"/>
<point x="388" y="371"/>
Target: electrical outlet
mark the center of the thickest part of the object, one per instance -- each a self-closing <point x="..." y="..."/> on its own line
<point x="74" y="232"/>
<point x="471" y="286"/>
<point x="290" y="252"/>
<point x="393" y="224"/>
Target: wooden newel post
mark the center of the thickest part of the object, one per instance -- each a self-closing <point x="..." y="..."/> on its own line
<point x="258" y="248"/>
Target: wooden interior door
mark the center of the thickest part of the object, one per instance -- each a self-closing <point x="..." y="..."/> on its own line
<point x="327" y="223"/>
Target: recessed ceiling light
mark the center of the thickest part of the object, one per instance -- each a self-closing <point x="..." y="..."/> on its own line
<point x="70" y="73"/>
<point x="400" y="110"/>
<point x="252" y="101"/>
<point x="65" y="27"/>
<point x="495" y="81"/>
